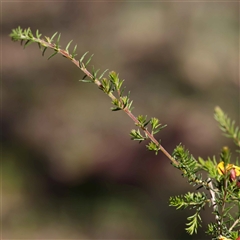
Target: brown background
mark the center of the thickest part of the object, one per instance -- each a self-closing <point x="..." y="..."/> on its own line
<point x="69" y="168"/>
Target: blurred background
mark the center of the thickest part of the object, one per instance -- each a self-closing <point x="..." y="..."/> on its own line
<point x="69" y="168"/>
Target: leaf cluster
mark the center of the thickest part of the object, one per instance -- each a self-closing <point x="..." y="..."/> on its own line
<point x="192" y="200"/>
<point x="227" y="126"/>
<point x="187" y="164"/>
<point x="222" y="185"/>
<point x="142" y="123"/>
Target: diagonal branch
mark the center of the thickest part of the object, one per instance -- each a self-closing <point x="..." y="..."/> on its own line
<point x="29" y="38"/>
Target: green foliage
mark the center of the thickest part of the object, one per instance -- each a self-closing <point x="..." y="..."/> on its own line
<point x="190" y="199"/>
<point x="187" y="164"/>
<point x="137" y="136"/>
<point x="221" y="186"/>
<point x="209" y="166"/>
<point x="222" y="183"/>
<point x="110" y="86"/>
<point x="142" y="123"/>
<point x="227" y="126"/>
<point x="194" y="222"/>
<point x="194" y="201"/>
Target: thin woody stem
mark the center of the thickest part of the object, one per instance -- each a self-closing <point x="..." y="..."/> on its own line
<point x="214" y="203"/>
<point x="153" y="139"/>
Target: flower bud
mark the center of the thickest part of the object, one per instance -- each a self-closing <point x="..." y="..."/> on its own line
<point x="233" y="174"/>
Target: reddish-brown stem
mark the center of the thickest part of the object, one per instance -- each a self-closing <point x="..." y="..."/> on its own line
<point x="99" y="84"/>
<point x="153" y="139"/>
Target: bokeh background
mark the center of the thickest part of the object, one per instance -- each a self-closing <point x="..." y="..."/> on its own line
<point x="69" y="168"/>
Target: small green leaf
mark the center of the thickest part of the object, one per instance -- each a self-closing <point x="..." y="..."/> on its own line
<point x="106" y="85"/>
<point x="74" y="50"/>
<point x="88" y="61"/>
<point x="84" y="76"/>
<point x="81" y="64"/>
<point x="130" y="106"/>
<point x="193" y="223"/>
<point x="115" y="108"/>
<point x="19" y="29"/>
<point x="120" y="84"/>
<point x="103" y="74"/>
<point x="94" y="73"/>
<point x="55" y="52"/>
<point x="57" y="42"/>
<point x="53" y="36"/>
<point x="83" y="56"/>
<point x="48" y="39"/>
<point x="124" y="101"/>
<point x="28" y="42"/>
<point x="39" y="45"/>
<point x="146" y="123"/>
<point x="122" y="91"/>
<point x="38" y="35"/>
<point x="44" y="50"/>
<point x="26" y="31"/>
<point x="117" y="103"/>
<point x="68" y="45"/>
<point x="153" y="147"/>
<point x="30" y="34"/>
<point x="113" y="76"/>
<point x="136" y="135"/>
<point x="156" y="130"/>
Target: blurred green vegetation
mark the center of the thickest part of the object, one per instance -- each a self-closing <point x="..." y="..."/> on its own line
<point x="69" y="169"/>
